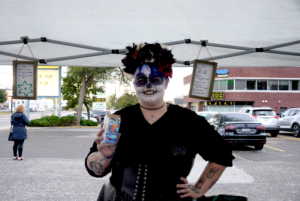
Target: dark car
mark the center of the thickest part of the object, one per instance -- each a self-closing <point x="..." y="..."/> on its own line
<point x="239" y="128"/>
<point x="101" y="114"/>
<point x="32" y="109"/>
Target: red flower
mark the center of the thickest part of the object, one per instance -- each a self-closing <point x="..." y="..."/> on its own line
<point x="134" y="55"/>
<point x="166" y="70"/>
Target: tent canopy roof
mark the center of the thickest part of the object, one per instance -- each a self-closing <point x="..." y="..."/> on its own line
<point x="107" y="25"/>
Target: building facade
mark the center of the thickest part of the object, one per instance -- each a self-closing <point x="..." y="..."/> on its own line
<point x="236" y="87"/>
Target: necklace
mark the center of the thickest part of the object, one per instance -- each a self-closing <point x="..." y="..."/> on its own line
<point x="146" y="108"/>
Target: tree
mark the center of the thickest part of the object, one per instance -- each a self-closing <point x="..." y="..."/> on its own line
<point x="82" y="82"/>
<point x="128" y="98"/>
<point x="3" y="95"/>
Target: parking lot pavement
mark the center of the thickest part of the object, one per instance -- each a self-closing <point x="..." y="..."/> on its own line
<point x="54" y="168"/>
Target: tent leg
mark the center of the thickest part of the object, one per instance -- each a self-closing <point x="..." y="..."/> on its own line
<point x="59" y="92"/>
<point x="28" y="110"/>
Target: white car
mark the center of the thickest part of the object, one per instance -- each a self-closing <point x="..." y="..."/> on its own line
<point x="41" y="110"/>
<point x="290" y="121"/>
<point x="266" y="116"/>
<point x="84" y="117"/>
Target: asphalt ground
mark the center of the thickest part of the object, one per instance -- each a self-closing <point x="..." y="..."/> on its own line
<point x="54" y="169"/>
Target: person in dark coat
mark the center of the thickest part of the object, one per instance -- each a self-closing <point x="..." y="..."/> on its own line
<point x="19" y="120"/>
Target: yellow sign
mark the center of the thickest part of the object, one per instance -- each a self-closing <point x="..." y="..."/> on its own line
<point x="219" y="103"/>
<point x="218" y="95"/>
<point x="48" y="82"/>
<point x="101" y="100"/>
<point x="52" y="67"/>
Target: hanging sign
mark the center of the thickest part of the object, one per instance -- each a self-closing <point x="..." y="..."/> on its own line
<point x="203" y="78"/>
<point x="25" y="80"/>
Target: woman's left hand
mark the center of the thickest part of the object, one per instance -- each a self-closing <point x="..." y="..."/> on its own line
<point x="187" y="190"/>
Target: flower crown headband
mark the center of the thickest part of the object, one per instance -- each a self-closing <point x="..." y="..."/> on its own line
<point x="154" y="54"/>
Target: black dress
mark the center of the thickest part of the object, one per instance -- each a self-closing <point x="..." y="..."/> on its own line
<point x="150" y="159"/>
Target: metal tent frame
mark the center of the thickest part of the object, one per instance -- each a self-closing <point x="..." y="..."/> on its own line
<point x="105" y="51"/>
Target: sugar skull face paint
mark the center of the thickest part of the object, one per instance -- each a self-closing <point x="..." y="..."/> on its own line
<point x="149" y="84"/>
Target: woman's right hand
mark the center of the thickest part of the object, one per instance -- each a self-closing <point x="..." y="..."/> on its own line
<point x="105" y="149"/>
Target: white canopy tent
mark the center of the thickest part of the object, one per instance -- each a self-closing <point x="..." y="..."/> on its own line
<point x="84" y="32"/>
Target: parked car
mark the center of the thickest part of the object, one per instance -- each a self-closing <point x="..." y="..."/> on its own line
<point x="266" y="116"/>
<point x="84" y="117"/>
<point x="239" y="128"/>
<point x="207" y="114"/>
<point x="41" y="110"/>
<point x="32" y="110"/>
<point x="290" y="121"/>
<point x="93" y="116"/>
<point x="101" y="114"/>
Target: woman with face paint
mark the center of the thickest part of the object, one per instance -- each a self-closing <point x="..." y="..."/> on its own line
<point x="159" y="141"/>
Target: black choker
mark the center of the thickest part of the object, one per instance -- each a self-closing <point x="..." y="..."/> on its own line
<point x="146" y="108"/>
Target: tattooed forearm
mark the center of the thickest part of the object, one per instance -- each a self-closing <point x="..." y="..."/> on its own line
<point x="97" y="167"/>
<point x="212" y="172"/>
<point x="220" y="172"/>
<point x="200" y="183"/>
<point x="213" y="183"/>
<point x="194" y="189"/>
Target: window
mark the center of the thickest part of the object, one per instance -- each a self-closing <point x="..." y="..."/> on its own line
<point x="235" y="117"/>
<point x="292" y="112"/>
<point x="294" y="85"/>
<point x="285" y="113"/>
<point x="223" y="84"/>
<point x="272" y="84"/>
<point x="283" y="85"/>
<point x="216" y="85"/>
<point x="263" y="113"/>
<point x="251" y="84"/>
<point x="240" y="84"/>
<point x="261" y="84"/>
<point x="230" y="84"/>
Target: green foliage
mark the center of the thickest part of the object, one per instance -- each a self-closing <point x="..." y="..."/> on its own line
<point x="128" y="98"/>
<point x="3" y="95"/>
<point x="88" y="123"/>
<point x="50" y="121"/>
<point x="92" y="76"/>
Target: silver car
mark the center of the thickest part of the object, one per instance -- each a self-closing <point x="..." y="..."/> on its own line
<point x="290" y="121"/>
<point x="266" y="116"/>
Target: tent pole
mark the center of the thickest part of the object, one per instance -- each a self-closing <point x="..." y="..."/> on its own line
<point x="59" y="92"/>
<point x="77" y="45"/>
<point x="19" y="41"/>
<point x="28" y="105"/>
<point x="282" y="45"/>
<point x="282" y="52"/>
<point x="82" y="56"/>
<point x="20" y="56"/>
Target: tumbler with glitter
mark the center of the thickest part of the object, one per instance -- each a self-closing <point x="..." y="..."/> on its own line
<point x="111" y="128"/>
